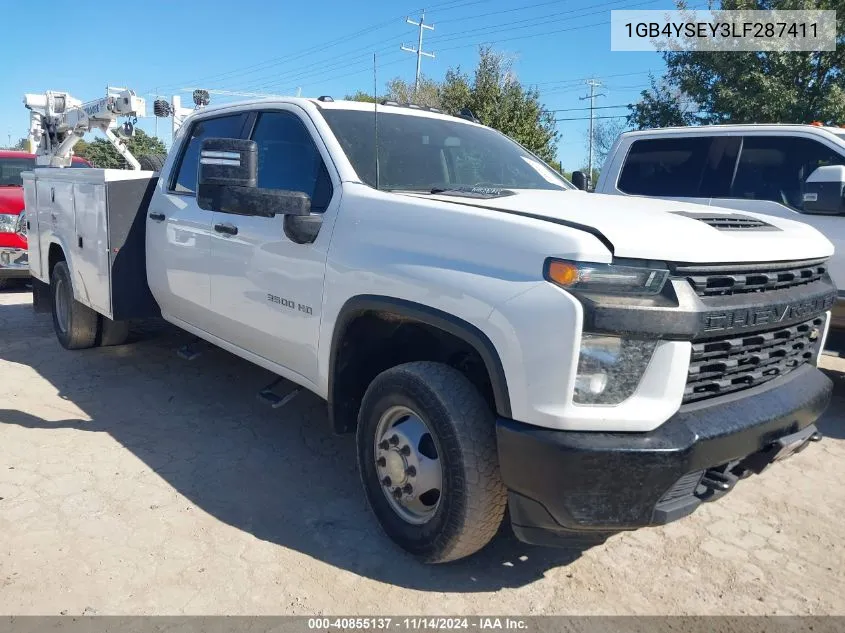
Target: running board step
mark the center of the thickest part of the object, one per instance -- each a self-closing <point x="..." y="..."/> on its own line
<point x="268" y="396"/>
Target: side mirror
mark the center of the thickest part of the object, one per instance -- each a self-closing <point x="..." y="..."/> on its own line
<point x="579" y="179"/>
<point x="227" y="178"/>
<point x="824" y="190"/>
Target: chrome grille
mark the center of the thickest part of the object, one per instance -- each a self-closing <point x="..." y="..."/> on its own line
<point x="729" y="280"/>
<point x="731" y="363"/>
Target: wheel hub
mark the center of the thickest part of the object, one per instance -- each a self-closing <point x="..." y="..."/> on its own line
<point x="396" y="466"/>
<point x="408" y="464"/>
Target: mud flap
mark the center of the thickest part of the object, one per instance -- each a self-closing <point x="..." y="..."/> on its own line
<point x="42" y="300"/>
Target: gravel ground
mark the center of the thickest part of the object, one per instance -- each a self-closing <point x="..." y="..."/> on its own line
<point x="134" y="482"/>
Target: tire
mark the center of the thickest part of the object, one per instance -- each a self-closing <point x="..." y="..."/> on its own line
<point x="472" y="500"/>
<point x="77" y="328"/>
<point x="113" y="332"/>
<point x="152" y="162"/>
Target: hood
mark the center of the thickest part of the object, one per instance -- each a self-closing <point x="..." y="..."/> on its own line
<point x="645" y="228"/>
<point x="11" y="199"/>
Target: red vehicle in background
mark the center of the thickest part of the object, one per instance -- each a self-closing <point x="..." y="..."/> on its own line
<point x="14" y="262"/>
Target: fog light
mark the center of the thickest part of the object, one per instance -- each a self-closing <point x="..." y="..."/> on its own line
<point x="4" y="258"/>
<point x="610" y="368"/>
<point x="593" y="384"/>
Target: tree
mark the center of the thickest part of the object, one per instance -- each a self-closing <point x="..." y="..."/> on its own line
<point x="363" y="96"/>
<point x="20" y="146"/>
<point x="605" y="133"/>
<point x="751" y="87"/>
<point x="101" y="153"/>
<point x="427" y="94"/>
<point x="661" y="105"/>
<point x="493" y="94"/>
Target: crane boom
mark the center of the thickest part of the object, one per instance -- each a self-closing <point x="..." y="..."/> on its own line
<point x="58" y="121"/>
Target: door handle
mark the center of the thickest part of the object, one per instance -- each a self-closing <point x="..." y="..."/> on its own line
<point x="155" y="215"/>
<point x="226" y="229"/>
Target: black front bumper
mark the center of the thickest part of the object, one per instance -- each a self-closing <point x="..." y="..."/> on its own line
<point x="565" y="484"/>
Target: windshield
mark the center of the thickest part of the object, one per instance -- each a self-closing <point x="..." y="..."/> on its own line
<point x="11" y="169"/>
<point x="421" y="153"/>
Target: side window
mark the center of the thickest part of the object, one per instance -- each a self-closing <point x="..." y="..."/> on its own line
<point x="776" y="168"/>
<point x="219" y="127"/>
<point x="665" y="166"/>
<point x="289" y="159"/>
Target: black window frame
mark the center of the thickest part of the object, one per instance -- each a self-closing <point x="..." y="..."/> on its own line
<point x="186" y="141"/>
<point x="252" y="125"/>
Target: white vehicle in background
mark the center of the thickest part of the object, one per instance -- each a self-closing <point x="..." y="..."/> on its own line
<point x="789" y="171"/>
<point x="494" y="338"/>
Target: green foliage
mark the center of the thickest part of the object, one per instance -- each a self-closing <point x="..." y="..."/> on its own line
<point x="20" y="146"/>
<point x="751" y="87"/>
<point x="661" y="105"/>
<point x="605" y="133"/>
<point x="493" y="94"/>
<point x="497" y="99"/>
<point x="101" y="153"/>
<point x="427" y="94"/>
<point x="362" y="96"/>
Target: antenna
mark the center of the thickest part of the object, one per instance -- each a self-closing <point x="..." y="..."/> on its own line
<point x="375" y="120"/>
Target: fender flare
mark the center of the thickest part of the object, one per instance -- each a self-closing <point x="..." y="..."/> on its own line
<point x="478" y="340"/>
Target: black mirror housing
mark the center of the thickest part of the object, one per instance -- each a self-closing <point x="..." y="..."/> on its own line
<point x="579" y="179"/>
<point x="227" y="179"/>
<point x="228" y="161"/>
<point x="253" y="201"/>
<point x="824" y="191"/>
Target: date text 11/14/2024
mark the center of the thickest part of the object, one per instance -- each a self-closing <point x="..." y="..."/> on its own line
<point x="417" y="623"/>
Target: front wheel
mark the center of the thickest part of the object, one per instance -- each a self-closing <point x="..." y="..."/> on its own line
<point x="428" y="461"/>
<point x="75" y="324"/>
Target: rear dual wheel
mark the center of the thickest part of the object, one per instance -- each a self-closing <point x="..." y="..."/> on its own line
<point x="428" y="461"/>
<point x="76" y="325"/>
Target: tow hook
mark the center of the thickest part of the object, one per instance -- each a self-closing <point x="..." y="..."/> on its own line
<point x="717" y="482"/>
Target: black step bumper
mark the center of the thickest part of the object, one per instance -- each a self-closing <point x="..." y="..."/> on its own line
<point x="572" y="485"/>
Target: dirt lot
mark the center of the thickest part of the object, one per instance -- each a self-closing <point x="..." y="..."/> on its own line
<point x="134" y="482"/>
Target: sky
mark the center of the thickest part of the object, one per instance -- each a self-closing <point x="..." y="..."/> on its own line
<point x="317" y="48"/>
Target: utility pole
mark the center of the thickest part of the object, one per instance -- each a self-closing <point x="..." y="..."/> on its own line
<point x="593" y="84"/>
<point x="418" y="51"/>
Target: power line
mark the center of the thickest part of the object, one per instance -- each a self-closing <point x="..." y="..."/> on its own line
<point x="249" y="69"/>
<point x="418" y="51"/>
<point x="621" y="105"/>
<point x="586" y="118"/>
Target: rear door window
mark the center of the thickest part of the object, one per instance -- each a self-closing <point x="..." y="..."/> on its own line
<point x="219" y="127"/>
<point x="665" y="167"/>
<point x="776" y="168"/>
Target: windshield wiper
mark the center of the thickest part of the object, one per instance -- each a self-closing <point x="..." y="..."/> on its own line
<point x="473" y="192"/>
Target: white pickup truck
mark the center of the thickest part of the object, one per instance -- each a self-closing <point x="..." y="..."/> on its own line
<point x="788" y="171"/>
<point x="495" y="338"/>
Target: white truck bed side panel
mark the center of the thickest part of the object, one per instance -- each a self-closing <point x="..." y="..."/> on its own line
<point x="30" y="198"/>
<point x="91" y="261"/>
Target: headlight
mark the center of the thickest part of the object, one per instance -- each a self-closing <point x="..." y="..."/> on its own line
<point x="610" y="368"/>
<point x="607" y="278"/>
<point x="8" y="223"/>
